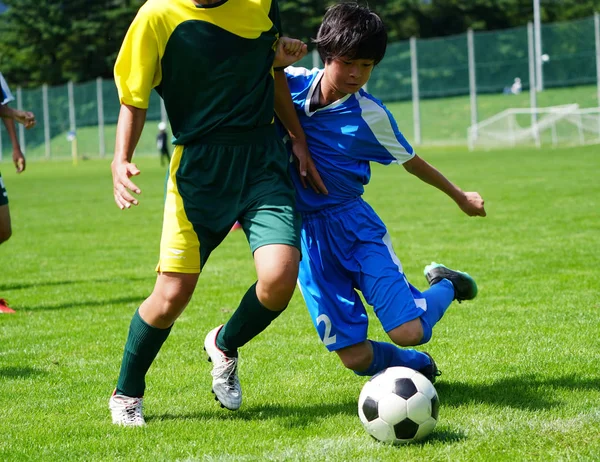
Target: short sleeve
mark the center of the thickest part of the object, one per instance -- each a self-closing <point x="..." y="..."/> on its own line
<point x="383" y="142"/>
<point x="137" y="69"/>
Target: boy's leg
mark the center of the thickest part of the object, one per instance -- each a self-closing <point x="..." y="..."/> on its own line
<point x="446" y="285"/>
<point x="148" y="330"/>
<point x="368" y="358"/>
<point x="5" y="227"/>
<point x="437" y="299"/>
<point x="264" y="203"/>
<point x="277" y="270"/>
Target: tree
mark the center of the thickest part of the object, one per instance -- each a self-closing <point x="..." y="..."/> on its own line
<point x="49" y="41"/>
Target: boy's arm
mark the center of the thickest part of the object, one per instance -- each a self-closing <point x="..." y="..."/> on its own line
<point x="284" y="108"/>
<point x="129" y="128"/>
<point x="17" y="154"/>
<point x="469" y="202"/>
<point x="25" y="118"/>
<point x="9" y="115"/>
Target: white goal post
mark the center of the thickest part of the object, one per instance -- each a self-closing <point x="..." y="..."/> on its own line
<point x="555" y="125"/>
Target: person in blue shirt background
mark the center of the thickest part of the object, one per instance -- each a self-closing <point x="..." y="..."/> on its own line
<point x="345" y="245"/>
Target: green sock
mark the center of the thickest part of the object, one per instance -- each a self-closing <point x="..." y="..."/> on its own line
<point x="143" y="343"/>
<point x="249" y="320"/>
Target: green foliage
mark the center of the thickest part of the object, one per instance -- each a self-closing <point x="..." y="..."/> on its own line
<point x="436" y="18"/>
<point x="49" y="41"/>
<point x="45" y="41"/>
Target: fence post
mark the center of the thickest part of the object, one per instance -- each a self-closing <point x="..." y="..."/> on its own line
<point x="315" y="58"/>
<point x="472" y="81"/>
<point x="532" y="87"/>
<point x="414" y="72"/>
<point x="538" y="45"/>
<point x="100" y="103"/>
<point x="46" y="115"/>
<point x="597" y="36"/>
<point x="21" y="127"/>
<point x="72" y="123"/>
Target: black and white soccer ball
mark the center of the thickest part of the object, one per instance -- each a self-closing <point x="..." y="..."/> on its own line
<point x="398" y="405"/>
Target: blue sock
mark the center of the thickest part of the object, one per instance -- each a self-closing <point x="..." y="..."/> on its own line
<point x="387" y="355"/>
<point x="439" y="297"/>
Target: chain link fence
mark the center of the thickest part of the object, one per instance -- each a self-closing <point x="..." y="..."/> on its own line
<point x="436" y="88"/>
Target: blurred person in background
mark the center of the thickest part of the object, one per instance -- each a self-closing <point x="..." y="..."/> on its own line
<point x="9" y="116"/>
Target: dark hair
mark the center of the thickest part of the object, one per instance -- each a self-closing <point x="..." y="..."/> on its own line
<point x="351" y="30"/>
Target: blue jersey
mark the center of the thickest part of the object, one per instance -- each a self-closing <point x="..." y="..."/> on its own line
<point x="343" y="138"/>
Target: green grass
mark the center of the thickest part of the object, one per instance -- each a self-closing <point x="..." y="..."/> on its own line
<point x="521" y="364"/>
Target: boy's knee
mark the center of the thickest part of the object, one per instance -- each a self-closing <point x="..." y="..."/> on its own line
<point x="357" y="358"/>
<point x="408" y="334"/>
<point x="357" y="365"/>
<point x="5" y="234"/>
<point x="275" y="292"/>
<point x="277" y="269"/>
<point x="175" y="294"/>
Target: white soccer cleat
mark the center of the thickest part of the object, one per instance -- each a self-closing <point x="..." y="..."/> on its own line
<point x="126" y="411"/>
<point x="225" y="384"/>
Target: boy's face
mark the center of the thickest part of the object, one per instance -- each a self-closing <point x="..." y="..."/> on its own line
<point x="348" y="75"/>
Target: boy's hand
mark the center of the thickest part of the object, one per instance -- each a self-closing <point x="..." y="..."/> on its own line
<point x="122" y="185"/>
<point x="26" y="118"/>
<point x="18" y="160"/>
<point x="306" y="167"/>
<point x="472" y="205"/>
<point x="289" y="51"/>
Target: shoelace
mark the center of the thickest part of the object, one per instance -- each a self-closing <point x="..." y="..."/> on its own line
<point x="228" y="366"/>
<point x="133" y="412"/>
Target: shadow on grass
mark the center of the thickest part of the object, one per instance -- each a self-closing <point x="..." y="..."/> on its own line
<point x="77" y="304"/>
<point x="19" y="372"/>
<point x="29" y="285"/>
<point x="292" y="416"/>
<point x="524" y="391"/>
<point x="442" y="436"/>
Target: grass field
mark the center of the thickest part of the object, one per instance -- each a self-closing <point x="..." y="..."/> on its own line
<point x="521" y="363"/>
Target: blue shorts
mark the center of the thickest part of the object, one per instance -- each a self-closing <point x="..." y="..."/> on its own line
<point x="345" y="249"/>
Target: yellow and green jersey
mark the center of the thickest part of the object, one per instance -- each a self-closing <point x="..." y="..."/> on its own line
<point x="211" y="64"/>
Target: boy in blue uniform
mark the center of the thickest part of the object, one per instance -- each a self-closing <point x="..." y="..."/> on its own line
<point x="345" y="245"/>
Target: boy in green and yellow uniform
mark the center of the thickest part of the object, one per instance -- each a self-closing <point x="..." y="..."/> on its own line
<point x="212" y="63"/>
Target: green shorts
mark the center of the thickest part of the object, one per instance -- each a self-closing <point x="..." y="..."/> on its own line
<point x="3" y="193"/>
<point x="222" y="179"/>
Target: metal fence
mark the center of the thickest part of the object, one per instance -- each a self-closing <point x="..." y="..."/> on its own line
<point x="436" y="89"/>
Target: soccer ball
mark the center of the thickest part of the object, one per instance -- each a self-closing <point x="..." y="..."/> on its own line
<point x="398" y="405"/>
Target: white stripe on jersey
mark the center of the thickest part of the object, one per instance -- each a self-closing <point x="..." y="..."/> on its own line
<point x="378" y="121"/>
<point x="8" y="97"/>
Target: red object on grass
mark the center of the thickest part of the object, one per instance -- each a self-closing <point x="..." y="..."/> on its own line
<point x="4" y="308"/>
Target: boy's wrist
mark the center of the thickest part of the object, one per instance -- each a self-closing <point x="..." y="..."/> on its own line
<point x="297" y="138"/>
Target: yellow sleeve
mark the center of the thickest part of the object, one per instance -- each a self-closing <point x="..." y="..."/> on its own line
<point x="137" y="69"/>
